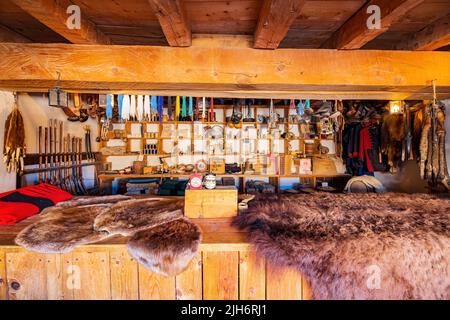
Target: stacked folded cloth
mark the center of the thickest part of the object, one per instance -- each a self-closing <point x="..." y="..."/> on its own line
<point x="142" y="186"/>
<point x="22" y="203"/>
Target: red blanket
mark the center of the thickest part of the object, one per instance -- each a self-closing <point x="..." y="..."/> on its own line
<point x="22" y="203"/>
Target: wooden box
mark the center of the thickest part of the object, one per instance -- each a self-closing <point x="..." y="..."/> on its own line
<point x="218" y="203"/>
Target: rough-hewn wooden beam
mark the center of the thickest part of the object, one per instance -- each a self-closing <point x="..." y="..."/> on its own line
<point x="275" y="19"/>
<point x="354" y="33"/>
<point x="194" y="69"/>
<point x="8" y="35"/>
<point x="432" y="37"/>
<point x="173" y="21"/>
<point x="54" y="15"/>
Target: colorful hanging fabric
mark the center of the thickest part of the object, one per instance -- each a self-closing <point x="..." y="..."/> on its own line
<point x="120" y="105"/>
<point x="300" y="110"/>
<point x="292" y="108"/>
<point x="191" y="107"/>
<point x="183" y="108"/>
<point x="140" y="107"/>
<point x="126" y="107"/>
<point x="109" y="106"/>
<point x="154" y="103"/>
<point x="160" y="108"/>
<point x="307" y="104"/>
<point x="177" y="107"/>
<point x="147" y="109"/>
<point x="133" y="107"/>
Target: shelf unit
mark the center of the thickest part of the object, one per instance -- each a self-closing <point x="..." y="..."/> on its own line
<point x="222" y="112"/>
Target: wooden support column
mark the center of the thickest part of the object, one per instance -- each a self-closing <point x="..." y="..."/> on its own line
<point x="275" y="19"/>
<point x="432" y="37"/>
<point x="54" y="15"/>
<point x="172" y="19"/>
<point x="8" y="35"/>
<point x="203" y="71"/>
<point x="354" y="34"/>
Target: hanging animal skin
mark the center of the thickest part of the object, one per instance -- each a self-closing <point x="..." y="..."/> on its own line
<point x="14" y="141"/>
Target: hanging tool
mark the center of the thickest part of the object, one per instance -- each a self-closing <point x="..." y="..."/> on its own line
<point x="55" y="144"/>
<point x="45" y="154"/>
<point x="80" y="168"/>
<point x="60" y="163"/>
<point x="40" y="153"/>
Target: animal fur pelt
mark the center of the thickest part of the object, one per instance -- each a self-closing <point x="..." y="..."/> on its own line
<point x="358" y="246"/>
<point x="86" y="200"/>
<point x="128" y="217"/>
<point x="168" y="248"/>
<point x="61" y="229"/>
<point x="393" y="132"/>
<point x="66" y="226"/>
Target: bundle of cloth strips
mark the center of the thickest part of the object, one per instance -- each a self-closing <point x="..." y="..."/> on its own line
<point x="22" y="203"/>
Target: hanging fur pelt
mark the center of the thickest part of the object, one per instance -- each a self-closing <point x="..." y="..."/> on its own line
<point x="433" y="163"/>
<point x="357" y="246"/>
<point x="393" y="133"/>
<point x="14" y="141"/>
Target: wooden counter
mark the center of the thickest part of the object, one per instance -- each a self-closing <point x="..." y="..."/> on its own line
<point x="226" y="267"/>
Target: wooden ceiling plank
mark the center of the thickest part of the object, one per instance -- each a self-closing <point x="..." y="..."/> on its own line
<point x="8" y="35"/>
<point x="293" y="72"/>
<point x="354" y="33"/>
<point x="172" y="18"/>
<point x="54" y="15"/>
<point x="432" y="37"/>
<point x="275" y="19"/>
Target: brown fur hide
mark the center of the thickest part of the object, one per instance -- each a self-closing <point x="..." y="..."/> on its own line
<point x="393" y="132"/>
<point x="62" y="229"/>
<point x="168" y="248"/>
<point x="85" y="201"/>
<point x="342" y="243"/>
<point x="128" y="217"/>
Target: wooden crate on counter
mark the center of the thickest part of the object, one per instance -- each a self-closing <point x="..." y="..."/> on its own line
<point x="218" y="203"/>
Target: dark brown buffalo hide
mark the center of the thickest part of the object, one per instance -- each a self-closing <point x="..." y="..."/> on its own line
<point x="358" y="246"/>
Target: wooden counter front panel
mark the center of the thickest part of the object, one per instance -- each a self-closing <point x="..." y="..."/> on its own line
<point x="108" y="272"/>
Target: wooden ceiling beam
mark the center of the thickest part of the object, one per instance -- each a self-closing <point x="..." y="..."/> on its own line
<point x="275" y="19"/>
<point x="354" y="33"/>
<point x="294" y="72"/>
<point x="54" y="15"/>
<point x="8" y="35"/>
<point x="172" y="18"/>
<point x="432" y="37"/>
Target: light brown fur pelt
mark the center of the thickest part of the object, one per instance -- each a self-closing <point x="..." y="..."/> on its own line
<point x="344" y="243"/>
<point x="128" y="217"/>
<point x="87" y="200"/>
<point x="168" y="248"/>
<point x="61" y="229"/>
